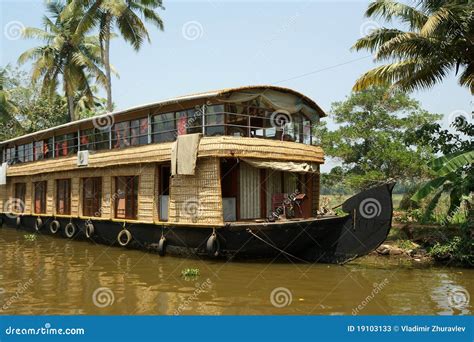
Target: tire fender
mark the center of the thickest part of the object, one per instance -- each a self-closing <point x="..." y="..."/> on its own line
<point x="128" y="236"/>
<point x="70" y="230"/>
<point x="54" y="226"/>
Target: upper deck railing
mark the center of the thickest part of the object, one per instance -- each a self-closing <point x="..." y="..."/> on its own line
<point x="210" y="120"/>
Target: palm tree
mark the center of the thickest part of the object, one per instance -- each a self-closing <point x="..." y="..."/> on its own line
<point x="67" y="53"/>
<point x="7" y="106"/>
<point x="439" y="39"/>
<point x="125" y="15"/>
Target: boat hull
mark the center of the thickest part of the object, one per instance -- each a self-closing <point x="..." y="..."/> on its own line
<point x="335" y="239"/>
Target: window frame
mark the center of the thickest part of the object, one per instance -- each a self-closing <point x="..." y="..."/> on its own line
<point x="95" y="209"/>
<point x="43" y="205"/>
<point x="134" y="181"/>
<point x="20" y="197"/>
<point x="63" y="192"/>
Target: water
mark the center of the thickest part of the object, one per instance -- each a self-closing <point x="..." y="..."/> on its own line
<point x="51" y="275"/>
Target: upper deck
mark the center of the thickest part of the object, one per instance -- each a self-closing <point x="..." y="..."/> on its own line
<point x="280" y="116"/>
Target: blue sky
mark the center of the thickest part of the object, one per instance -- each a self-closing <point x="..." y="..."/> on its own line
<point x="211" y="44"/>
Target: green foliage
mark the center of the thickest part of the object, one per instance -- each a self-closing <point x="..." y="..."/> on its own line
<point x="452" y="173"/>
<point x="437" y="40"/>
<point x="458" y="250"/>
<point x="33" y="110"/>
<point x="190" y="272"/>
<point x="30" y="237"/>
<point x="67" y="53"/>
<point x="370" y="140"/>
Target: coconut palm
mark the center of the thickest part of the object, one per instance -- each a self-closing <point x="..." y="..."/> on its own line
<point x="8" y="108"/>
<point x="66" y="53"/>
<point x="439" y="39"/>
<point x="124" y="15"/>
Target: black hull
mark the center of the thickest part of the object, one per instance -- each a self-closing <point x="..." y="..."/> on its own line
<point x="328" y="239"/>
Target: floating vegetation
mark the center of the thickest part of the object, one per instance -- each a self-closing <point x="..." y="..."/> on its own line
<point x="30" y="237"/>
<point x="190" y="272"/>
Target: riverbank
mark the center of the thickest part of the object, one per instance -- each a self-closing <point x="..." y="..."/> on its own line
<point x="413" y="244"/>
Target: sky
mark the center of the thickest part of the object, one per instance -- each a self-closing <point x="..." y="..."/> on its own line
<point x="212" y="44"/>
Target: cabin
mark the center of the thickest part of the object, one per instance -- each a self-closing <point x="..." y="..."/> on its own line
<point x="203" y="160"/>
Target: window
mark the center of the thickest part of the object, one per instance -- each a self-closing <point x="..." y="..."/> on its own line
<point x="121" y="135"/>
<point x="139" y="132"/>
<point x="39" y="150"/>
<point x="126" y="197"/>
<point x="65" y="144"/>
<point x="194" y="121"/>
<point x="20" y="153"/>
<point x="181" y="122"/>
<point x="163" y="127"/>
<point x="28" y="152"/>
<point x="40" y="197"/>
<point x="92" y="196"/>
<point x="94" y="139"/>
<point x="10" y="154"/>
<point x="214" y="120"/>
<point x="19" y="203"/>
<point x="63" y="197"/>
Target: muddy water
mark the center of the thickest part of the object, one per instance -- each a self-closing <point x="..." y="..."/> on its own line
<point x="51" y="275"/>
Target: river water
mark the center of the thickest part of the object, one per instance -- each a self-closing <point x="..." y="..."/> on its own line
<point x="52" y="275"/>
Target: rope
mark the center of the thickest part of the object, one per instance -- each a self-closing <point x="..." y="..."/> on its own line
<point x="275" y="247"/>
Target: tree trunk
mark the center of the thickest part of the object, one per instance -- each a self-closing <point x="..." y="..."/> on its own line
<point x="106" y="60"/>
<point x="70" y="108"/>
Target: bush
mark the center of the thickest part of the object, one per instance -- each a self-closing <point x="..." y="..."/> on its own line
<point x="458" y="249"/>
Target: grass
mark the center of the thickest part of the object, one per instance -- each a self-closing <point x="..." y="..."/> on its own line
<point x="190" y="272"/>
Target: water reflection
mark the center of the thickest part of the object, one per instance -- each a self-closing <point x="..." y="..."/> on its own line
<point x="56" y="276"/>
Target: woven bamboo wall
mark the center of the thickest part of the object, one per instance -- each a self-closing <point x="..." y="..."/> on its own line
<point x="225" y="146"/>
<point x="146" y="174"/>
<point x="197" y="199"/>
<point x="3" y="196"/>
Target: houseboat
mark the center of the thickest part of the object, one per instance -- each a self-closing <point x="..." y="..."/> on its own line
<point x="232" y="173"/>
